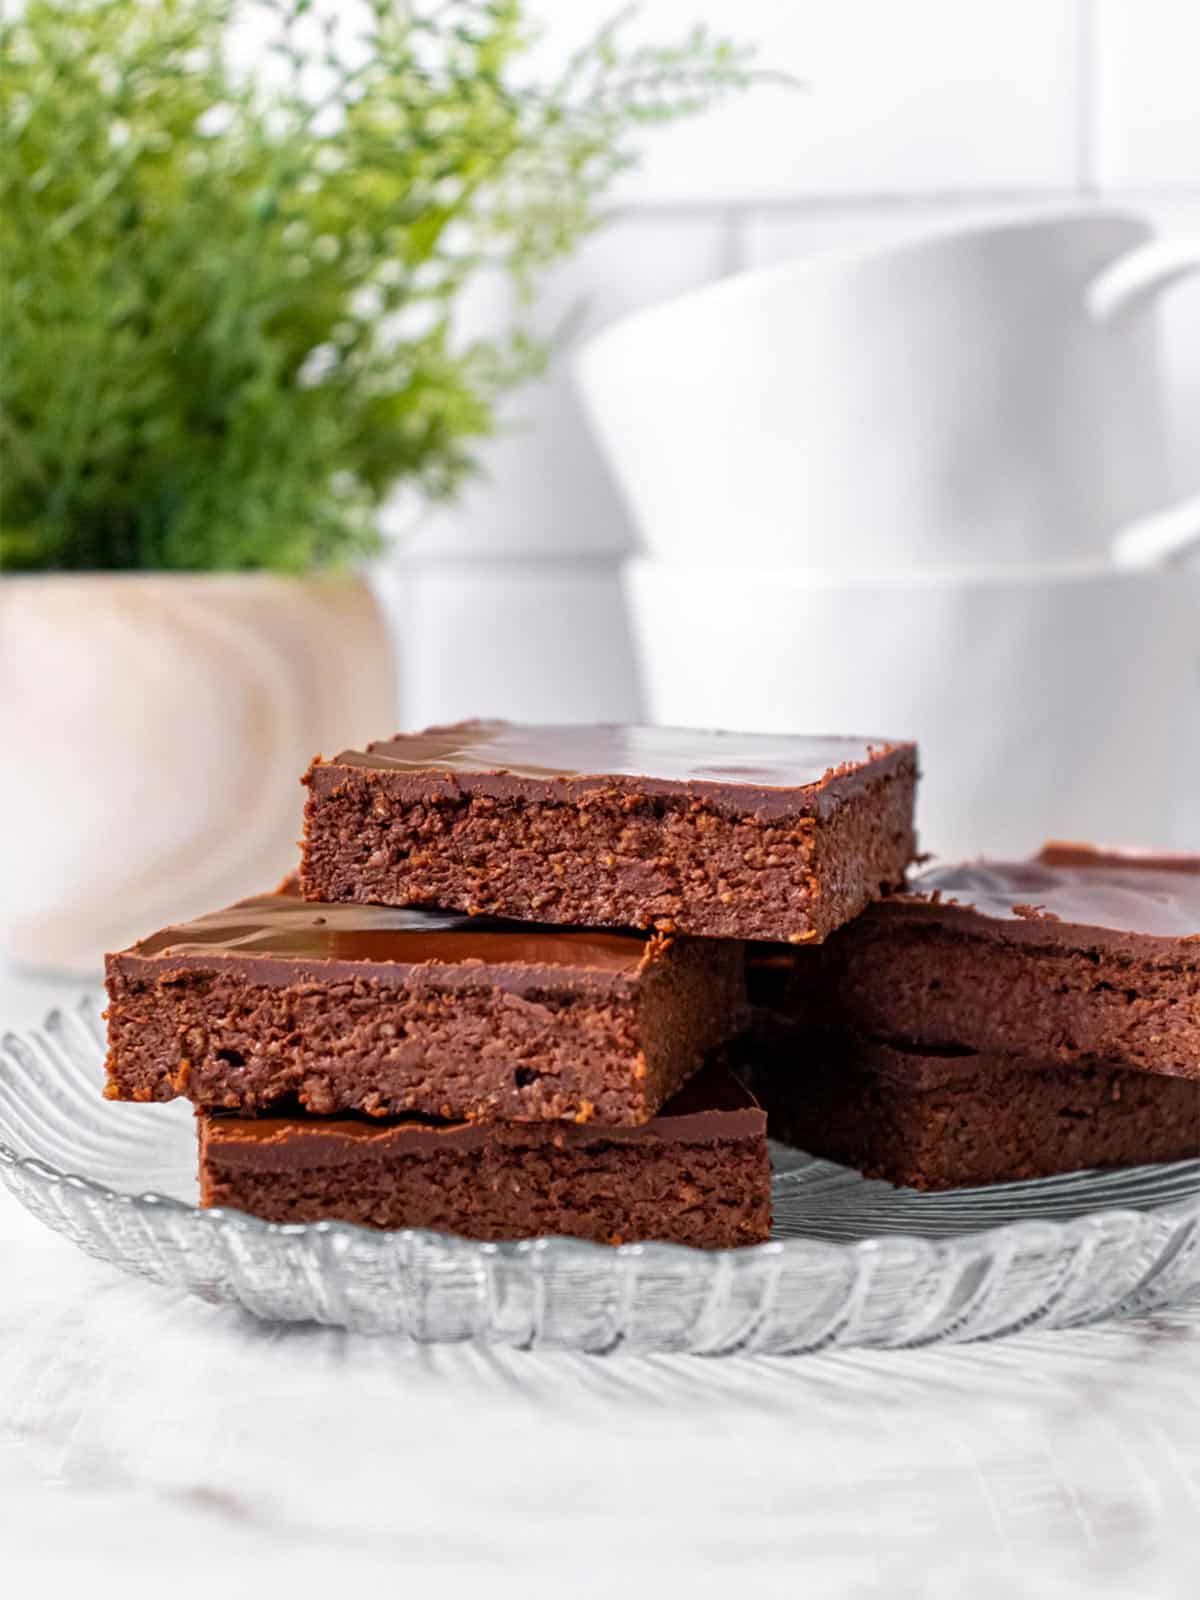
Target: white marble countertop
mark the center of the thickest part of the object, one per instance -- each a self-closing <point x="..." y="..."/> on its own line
<point x="150" y="1444"/>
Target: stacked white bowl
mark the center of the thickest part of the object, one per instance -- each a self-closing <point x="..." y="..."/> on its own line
<point x="917" y="492"/>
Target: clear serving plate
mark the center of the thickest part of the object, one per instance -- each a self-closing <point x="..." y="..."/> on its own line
<point x="851" y="1262"/>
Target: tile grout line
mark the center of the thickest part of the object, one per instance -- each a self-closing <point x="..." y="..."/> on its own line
<point x="739" y="212"/>
<point x="1087" y="97"/>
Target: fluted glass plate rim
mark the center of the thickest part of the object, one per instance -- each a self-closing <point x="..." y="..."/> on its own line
<point x="850" y="1266"/>
<point x="1040" y="1230"/>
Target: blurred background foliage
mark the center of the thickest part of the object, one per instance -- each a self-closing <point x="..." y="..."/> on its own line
<point x="229" y="300"/>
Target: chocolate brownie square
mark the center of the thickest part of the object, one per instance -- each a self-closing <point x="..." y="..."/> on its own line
<point x="697" y="1174"/>
<point x="1081" y="955"/>
<point x="724" y="835"/>
<point x="279" y="1002"/>
<point x="952" y="1120"/>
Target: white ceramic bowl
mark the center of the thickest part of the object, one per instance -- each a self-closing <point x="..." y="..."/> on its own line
<point x="1064" y="704"/>
<point x="967" y="397"/>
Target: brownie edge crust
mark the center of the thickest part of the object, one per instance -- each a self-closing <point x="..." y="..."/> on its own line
<point x="929" y="1121"/>
<point x="1079" y="955"/>
<point x="699" y="1174"/>
<point x="749" y="838"/>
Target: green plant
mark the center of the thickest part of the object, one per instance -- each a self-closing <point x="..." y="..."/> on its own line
<point x="229" y="299"/>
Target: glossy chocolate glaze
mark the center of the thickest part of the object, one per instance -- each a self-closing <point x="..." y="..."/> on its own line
<point x="765" y="774"/>
<point x="275" y="938"/>
<point x="714" y="1107"/>
<point x="1067" y="893"/>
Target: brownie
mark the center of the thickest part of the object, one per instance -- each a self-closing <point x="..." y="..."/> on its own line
<point x="277" y="1001"/>
<point x="1079" y="955"/>
<point x="949" y="1121"/>
<point x="698" y="1174"/>
<point x="741" y="836"/>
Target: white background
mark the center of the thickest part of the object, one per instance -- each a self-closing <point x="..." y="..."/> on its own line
<point x="913" y="115"/>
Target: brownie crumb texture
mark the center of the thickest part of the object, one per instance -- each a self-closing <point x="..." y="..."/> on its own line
<point x="925" y="989"/>
<point x="611" y="859"/>
<point x="388" y="1050"/>
<point x="1005" y="1124"/>
<point x="703" y="1195"/>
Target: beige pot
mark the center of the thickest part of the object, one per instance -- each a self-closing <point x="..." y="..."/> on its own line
<point x="153" y="732"/>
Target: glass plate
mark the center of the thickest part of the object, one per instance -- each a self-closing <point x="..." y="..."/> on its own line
<point x="851" y="1262"/>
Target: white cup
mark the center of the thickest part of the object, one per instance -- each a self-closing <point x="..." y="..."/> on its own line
<point x="1050" y="704"/>
<point x="987" y="397"/>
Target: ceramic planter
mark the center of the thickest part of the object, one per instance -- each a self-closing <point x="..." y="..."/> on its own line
<point x="154" y="728"/>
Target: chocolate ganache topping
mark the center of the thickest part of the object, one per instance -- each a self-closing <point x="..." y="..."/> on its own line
<point x="759" y="772"/>
<point x="1072" y="887"/>
<point x="270" y="936"/>
<point x="711" y="1108"/>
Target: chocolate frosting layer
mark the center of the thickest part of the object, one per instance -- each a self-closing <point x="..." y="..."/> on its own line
<point x="764" y="774"/>
<point x="714" y="1107"/>
<point x="1070" y="892"/>
<point x="274" y="938"/>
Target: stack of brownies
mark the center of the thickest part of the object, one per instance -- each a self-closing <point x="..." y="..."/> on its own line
<point x="997" y="1021"/>
<point x="544" y="980"/>
<point x="502" y="997"/>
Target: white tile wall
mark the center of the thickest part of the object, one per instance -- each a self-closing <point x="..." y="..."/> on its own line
<point x="1147" y="93"/>
<point x="928" y="94"/>
<point x="914" y="115"/>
